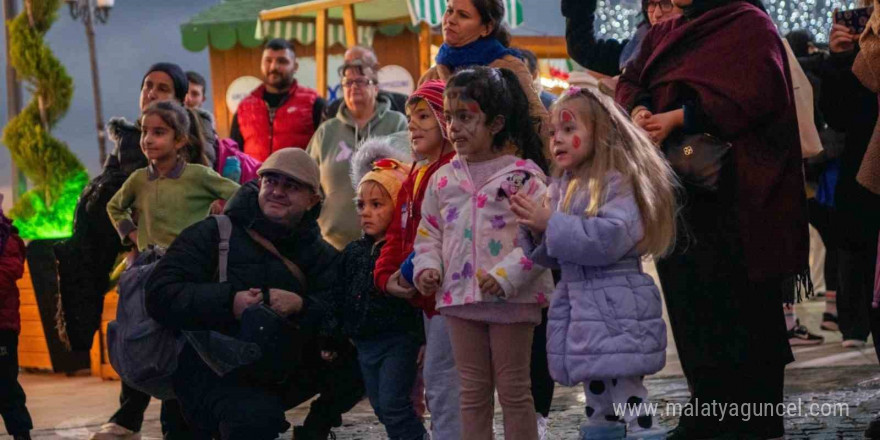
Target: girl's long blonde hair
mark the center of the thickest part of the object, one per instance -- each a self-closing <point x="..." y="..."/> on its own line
<point x="618" y="145"/>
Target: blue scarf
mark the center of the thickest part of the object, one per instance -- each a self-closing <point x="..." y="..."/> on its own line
<point x="479" y="53"/>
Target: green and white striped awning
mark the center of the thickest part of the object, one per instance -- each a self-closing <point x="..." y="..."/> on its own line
<point x="304" y="32"/>
<point x="431" y="11"/>
<point x="237" y="22"/>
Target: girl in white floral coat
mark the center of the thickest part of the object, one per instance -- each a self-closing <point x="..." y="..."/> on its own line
<point x="466" y="251"/>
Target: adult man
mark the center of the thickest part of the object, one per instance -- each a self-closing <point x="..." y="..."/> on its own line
<point x="364" y="56"/>
<point x="198" y="87"/>
<point x="280" y="113"/>
<point x="272" y="221"/>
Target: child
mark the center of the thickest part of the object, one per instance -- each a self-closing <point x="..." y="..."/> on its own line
<point x="429" y="141"/>
<point x="386" y="330"/>
<point x="612" y="203"/>
<point x="12" y="408"/>
<point x="466" y="251"/>
<point x="169" y="194"/>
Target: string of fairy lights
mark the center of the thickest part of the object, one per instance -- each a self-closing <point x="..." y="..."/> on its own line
<point x="619" y="18"/>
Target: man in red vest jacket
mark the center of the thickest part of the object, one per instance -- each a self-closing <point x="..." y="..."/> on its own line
<point x="280" y="113"/>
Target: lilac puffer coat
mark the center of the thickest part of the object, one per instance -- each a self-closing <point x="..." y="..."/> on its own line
<point x="605" y="318"/>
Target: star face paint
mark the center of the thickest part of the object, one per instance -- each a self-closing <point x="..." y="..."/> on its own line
<point x="569" y="132"/>
<point x="467" y="128"/>
<point x="426" y="136"/>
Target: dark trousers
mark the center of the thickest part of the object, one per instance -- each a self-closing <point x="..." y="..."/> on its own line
<point x="821" y="219"/>
<point x="389" y="368"/>
<point x="753" y="385"/>
<point x="229" y="407"/>
<point x="856" y="268"/>
<point x="339" y="386"/>
<point x="130" y="415"/>
<point x="729" y="331"/>
<point x="12" y="399"/>
<point x="542" y="383"/>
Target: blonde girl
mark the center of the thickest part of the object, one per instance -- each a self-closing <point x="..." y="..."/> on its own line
<point x="612" y="202"/>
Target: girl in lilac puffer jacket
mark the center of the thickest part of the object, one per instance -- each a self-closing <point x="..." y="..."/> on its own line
<point x="612" y="203"/>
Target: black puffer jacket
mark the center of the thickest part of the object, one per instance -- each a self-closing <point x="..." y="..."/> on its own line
<point x="183" y="292"/>
<point x="851" y="108"/>
<point x="362" y="310"/>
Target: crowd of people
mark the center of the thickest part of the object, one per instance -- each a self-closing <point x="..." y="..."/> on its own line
<point x="481" y="235"/>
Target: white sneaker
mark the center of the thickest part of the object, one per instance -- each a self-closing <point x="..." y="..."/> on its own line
<point x="542" y="427"/>
<point x="853" y="343"/>
<point x="112" y="431"/>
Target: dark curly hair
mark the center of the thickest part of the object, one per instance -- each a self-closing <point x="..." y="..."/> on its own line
<point x="499" y="93"/>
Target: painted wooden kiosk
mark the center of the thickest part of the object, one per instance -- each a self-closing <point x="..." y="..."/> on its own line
<point x="401" y="32"/>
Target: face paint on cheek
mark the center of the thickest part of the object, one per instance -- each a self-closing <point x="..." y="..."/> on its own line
<point x="576" y="142"/>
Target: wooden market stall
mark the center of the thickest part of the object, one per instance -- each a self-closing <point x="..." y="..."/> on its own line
<point x="401" y="32"/>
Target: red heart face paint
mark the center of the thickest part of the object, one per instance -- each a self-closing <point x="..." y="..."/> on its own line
<point x="473" y="107"/>
<point x="570" y="134"/>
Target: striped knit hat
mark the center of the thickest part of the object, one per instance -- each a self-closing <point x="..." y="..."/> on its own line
<point x="432" y="92"/>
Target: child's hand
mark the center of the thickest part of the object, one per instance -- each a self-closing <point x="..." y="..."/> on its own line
<point x="428" y="282"/>
<point x="133" y="237"/>
<point x="489" y="286"/>
<point x="530" y="214"/>
<point x="398" y="287"/>
<point x="217" y="207"/>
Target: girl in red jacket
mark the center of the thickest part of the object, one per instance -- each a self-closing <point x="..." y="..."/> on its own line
<point x="15" y="414"/>
<point x="424" y="111"/>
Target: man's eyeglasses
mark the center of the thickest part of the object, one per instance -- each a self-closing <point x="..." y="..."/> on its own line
<point x="360" y="82"/>
<point x="665" y="5"/>
<point x="284" y="183"/>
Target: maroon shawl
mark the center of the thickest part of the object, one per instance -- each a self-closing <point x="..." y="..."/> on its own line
<point x="731" y="61"/>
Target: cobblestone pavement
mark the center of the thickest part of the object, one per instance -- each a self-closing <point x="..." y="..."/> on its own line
<point x="857" y="388"/>
<point x="825" y="375"/>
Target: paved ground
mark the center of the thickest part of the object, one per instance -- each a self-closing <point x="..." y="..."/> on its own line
<point x="72" y="407"/>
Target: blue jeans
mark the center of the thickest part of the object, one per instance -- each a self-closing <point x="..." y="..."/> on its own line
<point x="389" y="368"/>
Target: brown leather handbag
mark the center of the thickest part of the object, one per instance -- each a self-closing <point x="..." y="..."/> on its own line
<point x="697" y="159"/>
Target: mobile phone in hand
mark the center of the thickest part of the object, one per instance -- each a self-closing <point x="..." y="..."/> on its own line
<point x="855" y="19"/>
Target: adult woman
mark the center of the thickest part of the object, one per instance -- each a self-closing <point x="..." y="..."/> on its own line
<point x="608" y="56"/>
<point x="857" y="215"/>
<point x="740" y="243"/>
<point x="364" y="115"/>
<point x="475" y="34"/>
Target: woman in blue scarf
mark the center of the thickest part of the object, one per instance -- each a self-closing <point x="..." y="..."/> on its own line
<point x="475" y="34"/>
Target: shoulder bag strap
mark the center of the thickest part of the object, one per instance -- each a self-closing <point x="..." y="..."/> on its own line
<point x="225" y="226"/>
<point x="293" y="268"/>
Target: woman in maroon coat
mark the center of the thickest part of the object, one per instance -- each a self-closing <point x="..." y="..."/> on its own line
<point x="721" y="69"/>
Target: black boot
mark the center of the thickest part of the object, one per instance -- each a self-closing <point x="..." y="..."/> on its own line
<point x="25" y="436"/>
<point x="873" y="431"/>
<point x="313" y="433"/>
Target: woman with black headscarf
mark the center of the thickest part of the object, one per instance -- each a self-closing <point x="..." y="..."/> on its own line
<point x="738" y="245"/>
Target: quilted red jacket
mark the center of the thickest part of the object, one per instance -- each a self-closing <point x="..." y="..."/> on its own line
<point x="11" y="269"/>
<point x="401" y="234"/>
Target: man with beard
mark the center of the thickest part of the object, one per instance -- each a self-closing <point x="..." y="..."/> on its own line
<point x="276" y="257"/>
<point x="280" y="113"/>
